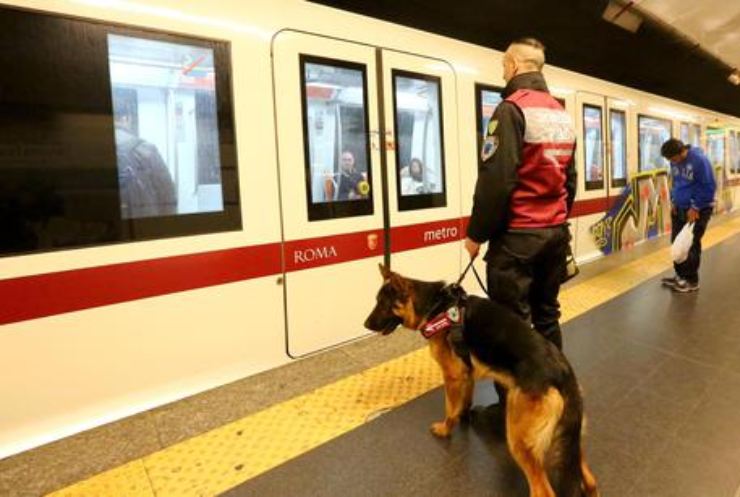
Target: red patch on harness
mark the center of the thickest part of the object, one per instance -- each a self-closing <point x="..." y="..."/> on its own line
<point x="440" y="322"/>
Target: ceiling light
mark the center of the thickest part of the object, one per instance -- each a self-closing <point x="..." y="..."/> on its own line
<point x="622" y="13"/>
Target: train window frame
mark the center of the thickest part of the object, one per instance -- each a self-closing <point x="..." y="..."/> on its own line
<point x="598" y="184"/>
<point x="479" y="89"/>
<point x="427" y="200"/>
<point x="322" y="211"/>
<point x="639" y="143"/>
<point x="123" y="230"/>
<point x="618" y="182"/>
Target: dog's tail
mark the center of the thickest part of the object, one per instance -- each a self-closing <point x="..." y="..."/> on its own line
<point x="567" y="469"/>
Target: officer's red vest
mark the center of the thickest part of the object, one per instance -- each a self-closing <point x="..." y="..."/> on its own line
<point x="540" y="198"/>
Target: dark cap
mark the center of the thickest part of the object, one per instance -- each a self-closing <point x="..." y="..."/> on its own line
<point x="672" y="148"/>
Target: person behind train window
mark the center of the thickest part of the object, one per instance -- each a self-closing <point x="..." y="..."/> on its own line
<point x="525" y="189"/>
<point x="412" y="178"/>
<point x="350" y="180"/>
<point x="145" y="186"/>
<point x="692" y="196"/>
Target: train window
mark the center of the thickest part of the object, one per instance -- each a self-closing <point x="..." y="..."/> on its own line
<point x="716" y="146"/>
<point x="618" y="137"/>
<point x="684" y="133"/>
<point x="690" y="134"/>
<point x="166" y="133"/>
<point x="487" y="99"/>
<point x="695" y="135"/>
<point x="70" y="178"/>
<point x="653" y="133"/>
<point x="337" y="149"/>
<point x="420" y="168"/>
<point x="735" y="152"/>
<point x="593" y="147"/>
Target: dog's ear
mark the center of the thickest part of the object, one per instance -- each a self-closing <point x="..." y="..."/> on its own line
<point x="399" y="284"/>
<point x="385" y="271"/>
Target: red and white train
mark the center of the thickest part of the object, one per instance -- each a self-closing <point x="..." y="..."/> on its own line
<point x="279" y="138"/>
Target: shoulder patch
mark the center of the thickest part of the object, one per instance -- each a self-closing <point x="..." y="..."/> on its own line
<point x="489" y="148"/>
<point x="492" y="125"/>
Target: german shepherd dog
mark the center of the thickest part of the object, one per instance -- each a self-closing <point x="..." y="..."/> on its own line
<point x="544" y="408"/>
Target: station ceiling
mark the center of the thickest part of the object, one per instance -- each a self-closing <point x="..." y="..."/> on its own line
<point x="664" y="56"/>
<point x="714" y="24"/>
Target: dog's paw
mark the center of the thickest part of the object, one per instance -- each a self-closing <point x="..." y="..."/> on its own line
<point x="440" y="429"/>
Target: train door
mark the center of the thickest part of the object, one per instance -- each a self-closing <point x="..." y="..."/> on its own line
<point x="593" y="189"/>
<point x="367" y="168"/>
<point x="424" y="205"/>
<point x="330" y="186"/>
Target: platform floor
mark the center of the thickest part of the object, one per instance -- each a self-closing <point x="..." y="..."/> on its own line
<point x="661" y="374"/>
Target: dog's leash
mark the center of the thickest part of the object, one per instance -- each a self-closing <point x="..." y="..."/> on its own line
<point x="475" y="272"/>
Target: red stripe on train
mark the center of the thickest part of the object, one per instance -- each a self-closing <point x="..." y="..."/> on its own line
<point x="426" y="234"/>
<point x="68" y="291"/>
<point x="592" y="206"/>
<point x="327" y="250"/>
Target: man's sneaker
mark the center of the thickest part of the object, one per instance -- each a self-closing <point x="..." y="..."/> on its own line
<point x="671" y="282"/>
<point x="683" y="286"/>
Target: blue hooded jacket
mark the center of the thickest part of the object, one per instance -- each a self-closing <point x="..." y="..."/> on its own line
<point x="693" y="181"/>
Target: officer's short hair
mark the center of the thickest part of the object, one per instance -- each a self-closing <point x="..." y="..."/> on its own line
<point x="672" y="148"/>
<point x="535" y="54"/>
<point x="531" y="42"/>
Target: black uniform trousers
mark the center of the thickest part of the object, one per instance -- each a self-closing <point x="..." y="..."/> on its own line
<point x="525" y="269"/>
<point x="689" y="269"/>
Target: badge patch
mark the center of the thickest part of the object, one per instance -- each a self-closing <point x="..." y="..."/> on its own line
<point x="453" y="314"/>
<point x="489" y="148"/>
<point x="492" y="125"/>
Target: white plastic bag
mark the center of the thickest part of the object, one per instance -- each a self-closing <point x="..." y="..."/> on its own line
<point x="682" y="243"/>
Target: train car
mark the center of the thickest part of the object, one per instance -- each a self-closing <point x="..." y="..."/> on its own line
<point x="194" y="192"/>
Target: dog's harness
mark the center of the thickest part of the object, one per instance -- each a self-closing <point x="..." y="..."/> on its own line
<point x="450" y="308"/>
<point x="442" y="321"/>
<point x="449" y="314"/>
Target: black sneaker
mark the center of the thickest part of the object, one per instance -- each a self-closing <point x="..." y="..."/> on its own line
<point x="671" y="282"/>
<point x="683" y="286"/>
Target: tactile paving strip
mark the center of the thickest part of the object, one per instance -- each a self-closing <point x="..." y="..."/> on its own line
<point x="222" y="458"/>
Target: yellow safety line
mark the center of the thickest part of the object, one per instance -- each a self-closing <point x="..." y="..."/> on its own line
<point x="220" y="459"/>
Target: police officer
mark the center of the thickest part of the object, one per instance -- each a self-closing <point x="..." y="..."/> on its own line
<point x="525" y="189"/>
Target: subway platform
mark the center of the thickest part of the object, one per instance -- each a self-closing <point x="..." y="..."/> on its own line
<point x="660" y="373"/>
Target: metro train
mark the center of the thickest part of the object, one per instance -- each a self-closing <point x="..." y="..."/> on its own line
<point x="194" y="192"/>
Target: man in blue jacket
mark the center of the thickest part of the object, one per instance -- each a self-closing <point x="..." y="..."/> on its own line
<point x="692" y="196"/>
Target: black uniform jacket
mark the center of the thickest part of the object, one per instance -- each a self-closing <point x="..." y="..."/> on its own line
<point x="498" y="175"/>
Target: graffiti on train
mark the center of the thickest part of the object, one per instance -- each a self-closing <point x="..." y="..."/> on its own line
<point x="643" y="210"/>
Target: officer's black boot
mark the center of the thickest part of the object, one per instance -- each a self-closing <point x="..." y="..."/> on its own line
<point x="553" y="334"/>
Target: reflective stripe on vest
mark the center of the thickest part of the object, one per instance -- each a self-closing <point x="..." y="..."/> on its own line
<point x="540" y="198"/>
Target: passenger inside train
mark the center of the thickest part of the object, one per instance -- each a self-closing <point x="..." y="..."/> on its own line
<point x="164" y="110"/>
<point x="412" y="179"/>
